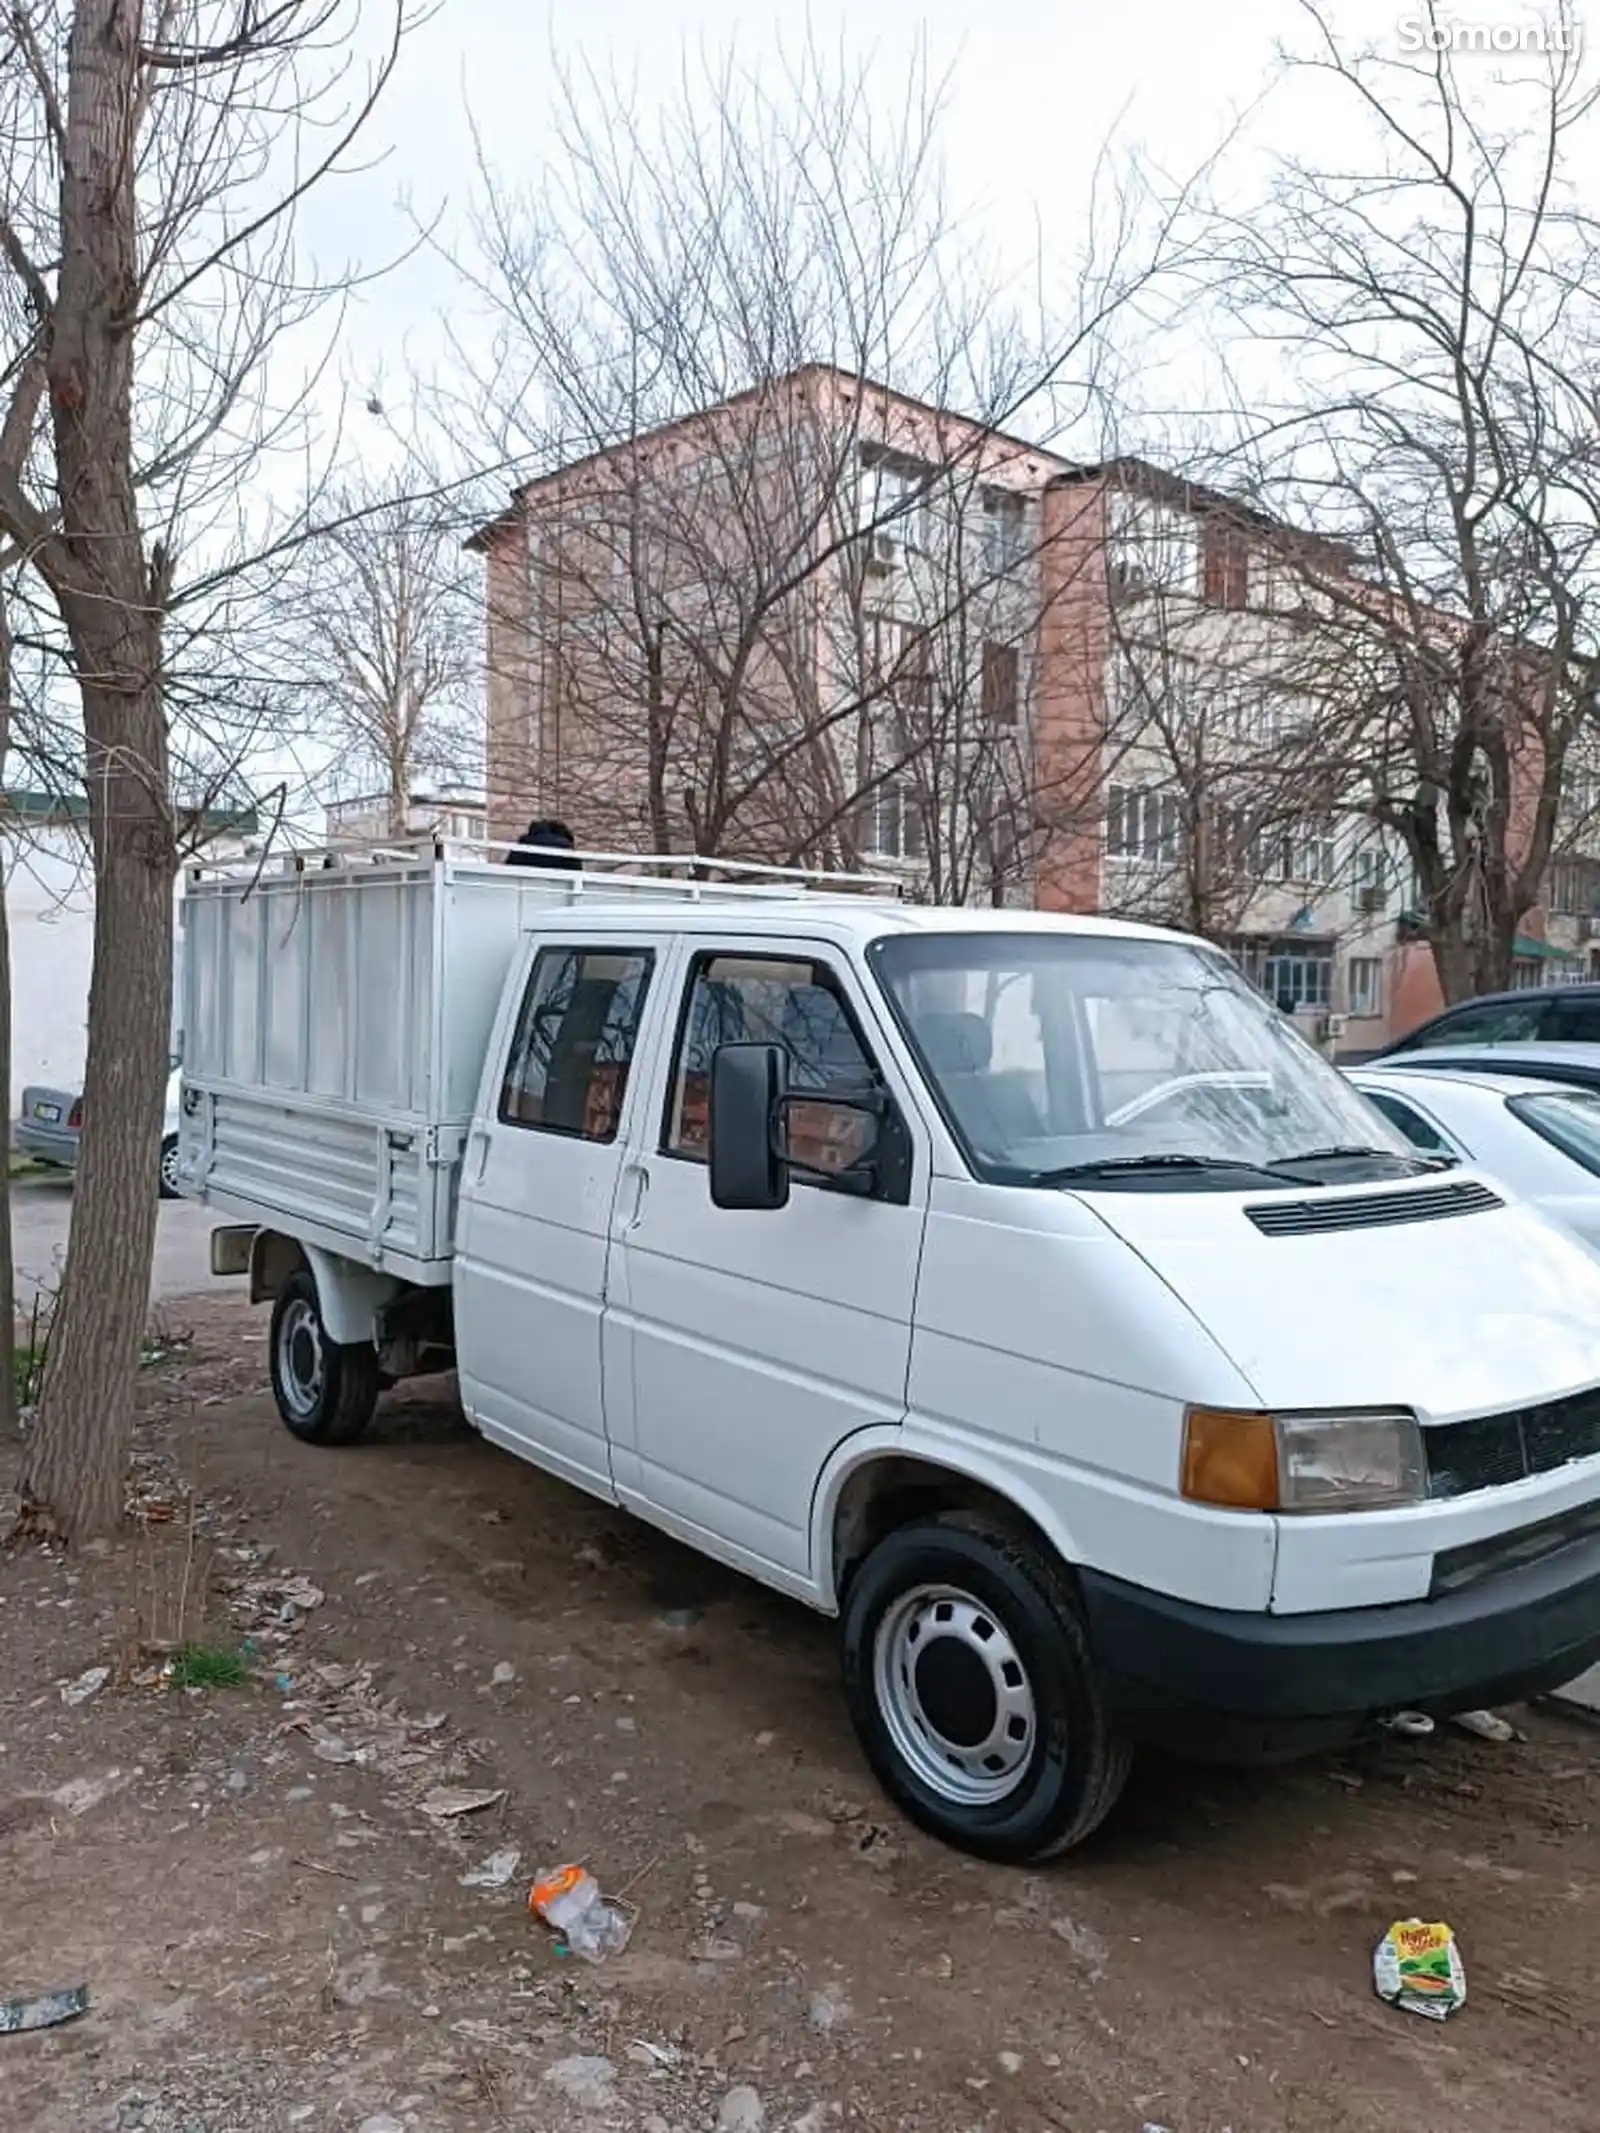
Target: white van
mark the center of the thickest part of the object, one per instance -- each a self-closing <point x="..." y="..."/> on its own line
<point x="1020" y="1289"/>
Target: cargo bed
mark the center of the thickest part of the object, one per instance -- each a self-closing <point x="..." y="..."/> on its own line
<point x="335" y="1012"/>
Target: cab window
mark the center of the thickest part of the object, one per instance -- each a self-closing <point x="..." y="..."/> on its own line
<point x="1419" y="1131"/>
<point x="568" y="1067"/>
<point x="740" y="999"/>
<point x="1496" y="1022"/>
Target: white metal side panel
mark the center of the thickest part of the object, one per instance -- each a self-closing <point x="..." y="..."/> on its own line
<point x="481" y="931"/>
<point x="371" y="1185"/>
<point x="375" y="990"/>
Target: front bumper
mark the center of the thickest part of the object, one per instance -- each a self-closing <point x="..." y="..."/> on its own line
<point x="1244" y="1688"/>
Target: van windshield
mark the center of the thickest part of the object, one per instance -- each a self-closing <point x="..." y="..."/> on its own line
<point x="1123" y="1062"/>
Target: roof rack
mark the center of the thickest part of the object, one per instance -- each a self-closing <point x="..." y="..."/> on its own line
<point x="680" y="875"/>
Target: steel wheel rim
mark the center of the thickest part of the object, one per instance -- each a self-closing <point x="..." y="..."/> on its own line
<point x="300" y="1357"/>
<point x="954" y="1695"/>
<point x="169" y="1166"/>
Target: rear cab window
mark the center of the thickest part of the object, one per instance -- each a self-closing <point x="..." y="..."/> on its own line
<point x="573" y="1047"/>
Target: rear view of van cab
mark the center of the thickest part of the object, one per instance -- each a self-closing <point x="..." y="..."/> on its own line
<point x="1019" y="1289"/>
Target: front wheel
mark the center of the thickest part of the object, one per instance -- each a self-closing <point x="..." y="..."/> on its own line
<point x="169" y="1168"/>
<point x="325" y="1392"/>
<point x="974" y="1693"/>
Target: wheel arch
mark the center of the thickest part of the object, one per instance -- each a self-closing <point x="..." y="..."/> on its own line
<point x="349" y="1296"/>
<point x="877" y="1481"/>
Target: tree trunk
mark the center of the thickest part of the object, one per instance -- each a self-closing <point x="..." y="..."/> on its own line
<point x="8" y="1279"/>
<point x="78" y="1454"/>
<point x="112" y="601"/>
<point x="1452" y="962"/>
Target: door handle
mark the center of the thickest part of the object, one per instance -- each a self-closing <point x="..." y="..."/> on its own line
<point x="630" y="1201"/>
<point x="477" y="1161"/>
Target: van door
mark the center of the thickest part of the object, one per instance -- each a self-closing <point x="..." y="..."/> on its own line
<point x="760" y="1340"/>
<point x="533" y="1230"/>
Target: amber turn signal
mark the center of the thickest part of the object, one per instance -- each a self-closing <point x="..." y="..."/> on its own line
<point x="1230" y="1459"/>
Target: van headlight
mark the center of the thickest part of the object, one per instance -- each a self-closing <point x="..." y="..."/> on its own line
<point x="1356" y="1459"/>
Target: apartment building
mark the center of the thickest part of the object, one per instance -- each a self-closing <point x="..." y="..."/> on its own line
<point x="802" y="624"/>
<point x="827" y="622"/>
<point x="451" y="810"/>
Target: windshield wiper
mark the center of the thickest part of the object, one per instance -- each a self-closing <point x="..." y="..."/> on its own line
<point x="1341" y="1151"/>
<point x="1134" y="1165"/>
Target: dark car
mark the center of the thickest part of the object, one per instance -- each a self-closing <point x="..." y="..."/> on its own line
<point x="1576" y="1064"/>
<point x="1552" y="1014"/>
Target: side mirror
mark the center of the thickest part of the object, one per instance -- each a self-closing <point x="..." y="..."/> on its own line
<point x="833" y="1138"/>
<point x="748" y="1084"/>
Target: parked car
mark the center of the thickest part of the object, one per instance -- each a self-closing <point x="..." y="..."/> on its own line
<point x="1578" y="1065"/>
<point x="49" y="1129"/>
<point x="1555" y="1014"/>
<point x="1017" y="1287"/>
<point x="1542" y="1138"/>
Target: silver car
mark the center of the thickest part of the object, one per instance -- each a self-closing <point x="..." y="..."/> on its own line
<point x="49" y="1129"/>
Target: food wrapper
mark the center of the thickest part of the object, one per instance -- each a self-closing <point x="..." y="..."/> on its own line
<point x="569" y="1901"/>
<point x="562" y="1894"/>
<point x="1419" y="1967"/>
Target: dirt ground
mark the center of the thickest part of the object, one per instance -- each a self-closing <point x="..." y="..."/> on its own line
<point x="276" y="1932"/>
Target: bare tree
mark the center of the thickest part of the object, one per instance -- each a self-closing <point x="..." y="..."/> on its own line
<point x="380" y="628"/>
<point x="1228" y="745"/>
<point x="155" y="157"/>
<point x="1430" y="307"/>
<point x="8" y="1276"/>
<point x="745" y="602"/>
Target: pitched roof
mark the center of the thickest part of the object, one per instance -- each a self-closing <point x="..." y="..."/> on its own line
<point x="480" y="539"/>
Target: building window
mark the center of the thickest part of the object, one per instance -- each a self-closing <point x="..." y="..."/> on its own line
<point x="1574" y="888"/>
<point x="891" y="824"/>
<point x="1295" y="975"/>
<point x="1370" y="882"/>
<point x="1299" y="978"/>
<point x="1263" y="718"/>
<point x="1000" y="684"/>
<point x="898" y="661"/>
<point x="1153" y="545"/>
<point x="895" y="497"/>
<point x="1225" y="564"/>
<point x="1144" y="825"/>
<point x="1300" y="853"/>
<point x="1364" y="982"/>
<point x="1002" y="529"/>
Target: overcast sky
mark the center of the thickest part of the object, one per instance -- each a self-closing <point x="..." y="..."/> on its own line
<point x="1034" y="90"/>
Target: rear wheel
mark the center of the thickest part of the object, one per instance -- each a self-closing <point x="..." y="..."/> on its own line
<point x="974" y="1693"/>
<point x="326" y="1392"/>
<point x="169" y="1167"/>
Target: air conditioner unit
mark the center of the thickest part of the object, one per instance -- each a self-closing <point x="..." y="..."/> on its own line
<point x="1127" y="579"/>
<point x="1371" y="899"/>
<point x="1331" y="1026"/>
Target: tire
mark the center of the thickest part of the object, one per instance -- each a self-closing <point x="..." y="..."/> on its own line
<point x="325" y="1393"/>
<point x="1050" y="1767"/>
<point x="168" y="1185"/>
